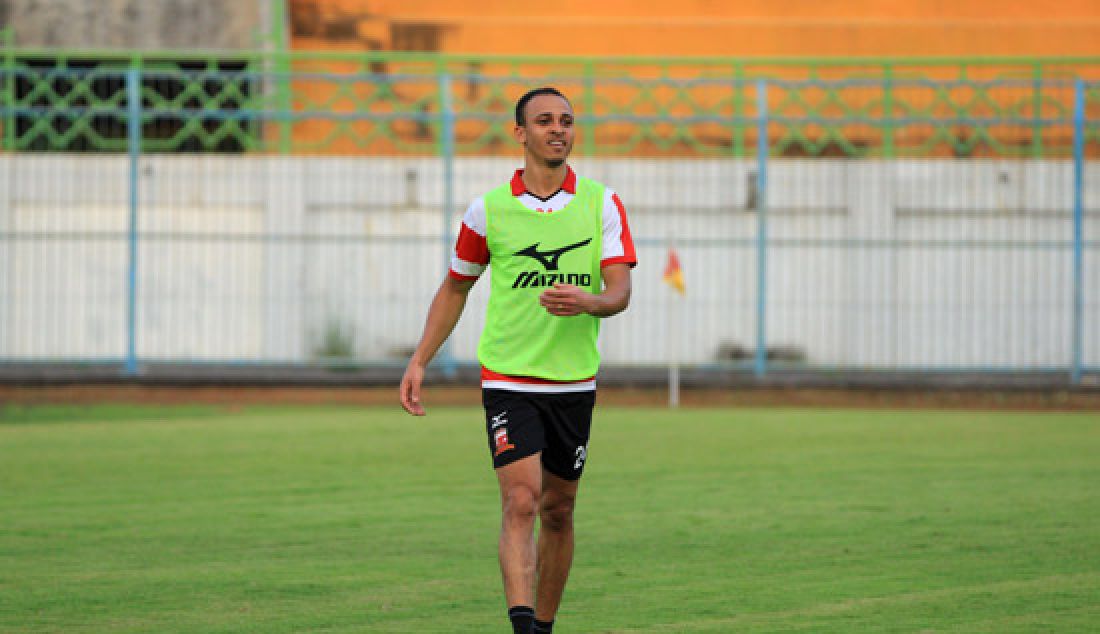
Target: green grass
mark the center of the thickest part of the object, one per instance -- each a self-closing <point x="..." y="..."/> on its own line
<point x="367" y="520"/>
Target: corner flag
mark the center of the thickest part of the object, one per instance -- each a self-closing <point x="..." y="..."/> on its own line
<point x="674" y="275"/>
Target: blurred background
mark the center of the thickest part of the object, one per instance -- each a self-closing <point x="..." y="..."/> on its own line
<point x="269" y="190"/>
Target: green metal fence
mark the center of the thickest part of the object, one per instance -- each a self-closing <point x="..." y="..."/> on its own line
<point x="687" y="107"/>
<point x="206" y="243"/>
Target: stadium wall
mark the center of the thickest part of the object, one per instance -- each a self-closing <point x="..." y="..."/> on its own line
<point x="137" y="24"/>
<point x="876" y="264"/>
<point x="700" y="27"/>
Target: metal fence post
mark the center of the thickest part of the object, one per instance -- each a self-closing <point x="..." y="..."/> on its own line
<point x="447" y="153"/>
<point x="133" y="137"/>
<point x="1078" y="228"/>
<point x="1037" y="110"/>
<point x="739" y="86"/>
<point x="761" y="361"/>
<point x="282" y="67"/>
<point x="888" y="112"/>
<point x="589" y="139"/>
<point x="9" y="89"/>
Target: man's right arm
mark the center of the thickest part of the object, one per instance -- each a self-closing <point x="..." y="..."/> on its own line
<point x="443" y="314"/>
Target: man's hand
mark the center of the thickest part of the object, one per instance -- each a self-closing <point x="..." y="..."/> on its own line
<point x="566" y="300"/>
<point x="443" y="314"/>
<point x="410" y="389"/>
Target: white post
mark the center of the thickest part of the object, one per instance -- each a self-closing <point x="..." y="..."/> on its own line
<point x="672" y="339"/>
<point x="7" y="251"/>
<point x="674" y="385"/>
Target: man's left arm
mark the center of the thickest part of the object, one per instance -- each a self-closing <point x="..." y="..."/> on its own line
<point x="616" y="259"/>
<point x="566" y="300"/>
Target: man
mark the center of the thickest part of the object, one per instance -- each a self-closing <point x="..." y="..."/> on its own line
<point x="561" y="254"/>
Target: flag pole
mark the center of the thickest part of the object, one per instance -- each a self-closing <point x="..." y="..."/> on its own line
<point x="673" y="358"/>
<point x="672" y="340"/>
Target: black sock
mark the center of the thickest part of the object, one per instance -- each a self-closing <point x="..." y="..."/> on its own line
<point x="523" y="618"/>
<point x="544" y="627"/>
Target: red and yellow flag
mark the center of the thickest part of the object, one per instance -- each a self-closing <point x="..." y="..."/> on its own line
<point x="674" y="275"/>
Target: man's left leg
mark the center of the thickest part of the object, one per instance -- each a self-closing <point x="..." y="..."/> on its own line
<point x="555" y="544"/>
<point x="567" y="420"/>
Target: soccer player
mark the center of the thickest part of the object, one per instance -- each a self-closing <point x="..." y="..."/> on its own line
<point x="561" y="254"/>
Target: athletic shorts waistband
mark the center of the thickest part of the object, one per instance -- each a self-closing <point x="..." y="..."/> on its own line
<point x="496" y="381"/>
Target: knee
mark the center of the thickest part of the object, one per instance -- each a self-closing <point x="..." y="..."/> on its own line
<point x="557" y="513"/>
<point x="519" y="504"/>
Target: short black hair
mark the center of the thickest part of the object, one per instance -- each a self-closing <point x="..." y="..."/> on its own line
<point x="521" y="105"/>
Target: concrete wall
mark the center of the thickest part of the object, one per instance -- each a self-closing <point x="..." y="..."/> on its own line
<point x="884" y="264"/>
<point x="137" y="24"/>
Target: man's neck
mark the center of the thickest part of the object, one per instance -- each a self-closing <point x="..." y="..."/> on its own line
<point x="542" y="180"/>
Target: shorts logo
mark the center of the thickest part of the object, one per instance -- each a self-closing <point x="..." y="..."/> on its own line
<point x="500" y="433"/>
<point x="500" y="438"/>
<point x="581" y="454"/>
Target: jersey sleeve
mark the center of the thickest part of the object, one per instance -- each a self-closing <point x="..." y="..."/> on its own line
<point x="471" y="254"/>
<point x="618" y="246"/>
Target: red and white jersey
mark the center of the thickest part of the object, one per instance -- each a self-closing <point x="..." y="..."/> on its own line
<point x="472" y="256"/>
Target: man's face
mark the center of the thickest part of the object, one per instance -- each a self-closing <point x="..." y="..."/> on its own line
<point x="548" y="132"/>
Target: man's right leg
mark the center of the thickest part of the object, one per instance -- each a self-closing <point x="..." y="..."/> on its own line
<point x="520" y="488"/>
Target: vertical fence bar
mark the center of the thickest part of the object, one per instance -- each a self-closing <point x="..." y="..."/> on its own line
<point x="133" y="137"/>
<point x="888" y="112"/>
<point x="447" y="153"/>
<point x="739" y="109"/>
<point x="760" y="366"/>
<point x="9" y="89"/>
<point x="1078" y="228"/>
<point x="1037" y="107"/>
<point x="7" y="143"/>
<point x="283" y="99"/>
<point x="589" y="119"/>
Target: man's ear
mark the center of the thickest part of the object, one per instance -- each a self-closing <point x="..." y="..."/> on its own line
<point x="520" y="134"/>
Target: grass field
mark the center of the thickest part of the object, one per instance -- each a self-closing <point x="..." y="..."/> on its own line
<point x="123" y="519"/>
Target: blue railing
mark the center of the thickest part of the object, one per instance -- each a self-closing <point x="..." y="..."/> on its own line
<point x="837" y="283"/>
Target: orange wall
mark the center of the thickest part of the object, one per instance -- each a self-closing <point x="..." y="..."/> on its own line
<point x="714" y="28"/>
<point x="811" y="28"/>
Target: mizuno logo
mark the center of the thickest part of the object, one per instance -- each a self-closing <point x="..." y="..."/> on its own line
<point x="534" y="279"/>
<point x="549" y="259"/>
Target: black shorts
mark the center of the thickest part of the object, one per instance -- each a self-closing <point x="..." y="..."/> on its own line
<point x="521" y="424"/>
